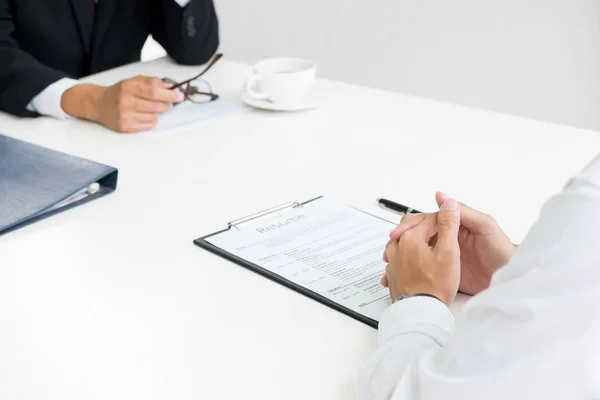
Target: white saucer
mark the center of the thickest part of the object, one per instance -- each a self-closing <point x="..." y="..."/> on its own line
<point x="315" y="99"/>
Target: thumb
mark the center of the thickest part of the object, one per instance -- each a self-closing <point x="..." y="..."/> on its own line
<point x="440" y="197"/>
<point x="469" y="217"/>
<point x="448" y="225"/>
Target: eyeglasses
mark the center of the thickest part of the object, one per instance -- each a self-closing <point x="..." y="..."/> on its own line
<point x="195" y="89"/>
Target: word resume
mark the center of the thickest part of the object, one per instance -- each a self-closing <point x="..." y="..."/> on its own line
<point x="331" y="249"/>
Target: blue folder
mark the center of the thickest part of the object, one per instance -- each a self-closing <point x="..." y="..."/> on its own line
<point x="36" y="182"/>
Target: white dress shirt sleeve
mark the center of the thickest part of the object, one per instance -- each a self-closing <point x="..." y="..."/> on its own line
<point x="48" y="101"/>
<point x="532" y="335"/>
<point x="407" y="328"/>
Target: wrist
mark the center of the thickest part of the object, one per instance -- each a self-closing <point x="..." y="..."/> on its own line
<point x="408" y="296"/>
<point x="441" y="295"/>
<point x="82" y="101"/>
<point x="504" y="256"/>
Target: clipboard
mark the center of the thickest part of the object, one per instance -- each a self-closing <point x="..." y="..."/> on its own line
<point x="237" y="224"/>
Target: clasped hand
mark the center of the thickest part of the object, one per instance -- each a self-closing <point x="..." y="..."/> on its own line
<point x="457" y="248"/>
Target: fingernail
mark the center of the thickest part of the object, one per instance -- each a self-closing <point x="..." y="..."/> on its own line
<point x="449" y="204"/>
<point x="180" y="96"/>
<point x="444" y="195"/>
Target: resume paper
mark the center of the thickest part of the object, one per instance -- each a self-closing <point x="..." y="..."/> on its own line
<point x="325" y="246"/>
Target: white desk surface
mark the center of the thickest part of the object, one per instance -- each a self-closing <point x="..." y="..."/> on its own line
<point x="112" y="300"/>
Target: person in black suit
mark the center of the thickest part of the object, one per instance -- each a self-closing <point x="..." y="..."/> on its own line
<point x="46" y="45"/>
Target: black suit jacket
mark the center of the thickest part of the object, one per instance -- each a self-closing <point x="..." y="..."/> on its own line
<point x="42" y="41"/>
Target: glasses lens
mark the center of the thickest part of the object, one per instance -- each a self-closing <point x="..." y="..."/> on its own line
<point x="199" y="91"/>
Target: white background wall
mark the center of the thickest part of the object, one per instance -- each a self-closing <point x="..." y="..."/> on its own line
<point x="537" y="58"/>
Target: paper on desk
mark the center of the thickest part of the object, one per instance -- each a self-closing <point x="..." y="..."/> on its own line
<point x="188" y="114"/>
<point x="325" y="246"/>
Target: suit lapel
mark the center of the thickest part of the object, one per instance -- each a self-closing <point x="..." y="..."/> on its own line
<point x="84" y="14"/>
<point x="104" y="12"/>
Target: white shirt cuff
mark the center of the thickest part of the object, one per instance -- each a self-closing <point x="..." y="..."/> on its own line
<point x="420" y="314"/>
<point x="182" y="3"/>
<point x="48" y="101"/>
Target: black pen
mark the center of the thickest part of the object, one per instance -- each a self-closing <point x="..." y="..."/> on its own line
<point x="397" y="207"/>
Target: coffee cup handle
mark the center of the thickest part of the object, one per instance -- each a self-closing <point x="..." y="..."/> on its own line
<point x="250" y="83"/>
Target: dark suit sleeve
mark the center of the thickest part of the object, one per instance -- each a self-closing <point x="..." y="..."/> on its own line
<point x="190" y="35"/>
<point x="22" y="77"/>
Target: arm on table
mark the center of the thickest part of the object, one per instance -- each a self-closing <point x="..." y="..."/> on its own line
<point x="407" y="329"/>
<point x="189" y="34"/>
<point x="529" y="335"/>
<point x="129" y="106"/>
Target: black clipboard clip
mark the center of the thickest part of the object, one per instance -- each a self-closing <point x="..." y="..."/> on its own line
<point x="236" y="223"/>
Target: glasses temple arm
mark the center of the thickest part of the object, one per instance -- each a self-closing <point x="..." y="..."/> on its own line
<point x="212" y="62"/>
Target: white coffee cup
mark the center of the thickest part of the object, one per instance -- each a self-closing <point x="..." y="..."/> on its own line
<point x="282" y="80"/>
